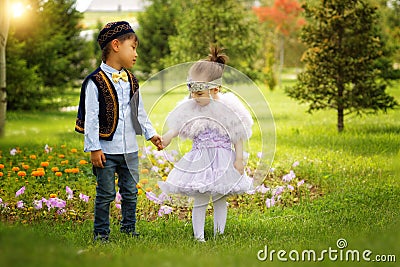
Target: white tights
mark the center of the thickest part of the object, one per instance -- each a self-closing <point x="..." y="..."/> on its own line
<point x="199" y="214"/>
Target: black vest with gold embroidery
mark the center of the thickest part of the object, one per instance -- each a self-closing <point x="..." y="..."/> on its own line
<point x="108" y="104"/>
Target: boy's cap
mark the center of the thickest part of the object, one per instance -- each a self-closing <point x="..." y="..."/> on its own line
<point x="112" y="31"/>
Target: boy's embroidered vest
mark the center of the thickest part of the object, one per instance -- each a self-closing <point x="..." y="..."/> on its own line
<point x="108" y="104"/>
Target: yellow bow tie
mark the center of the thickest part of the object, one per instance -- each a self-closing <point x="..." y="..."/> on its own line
<point x="116" y="76"/>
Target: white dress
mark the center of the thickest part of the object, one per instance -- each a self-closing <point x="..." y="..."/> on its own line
<point x="208" y="166"/>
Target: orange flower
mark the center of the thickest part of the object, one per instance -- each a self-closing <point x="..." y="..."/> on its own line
<point x="144" y="171"/>
<point x="61" y="156"/>
<point x="63" y="146"/>
<point x="53" y="195"/>
<point x="138" y="185"/>
<point x="75" y="170"/>
<point x="15" y="169"/>
<point x="149" y="189"/>
<point x="1" y="174"/>
<point x="144" y="181"/>
<point x="64" y="162"/>
<point x="83" y="162"/>
<point x="1" y="166"/>
<point x="38" y="173"/>
<point x="74" y="150"/>
<point x="21" y="173"/>
<point x="44" y="164"/>
<point x="25" y="166"/>
<point x="32" y="156"/>
<point x="58" y="174"/>
<point x="54" y="169"/>
<point x="140" y="192"/>
<point x="40" y="169"/>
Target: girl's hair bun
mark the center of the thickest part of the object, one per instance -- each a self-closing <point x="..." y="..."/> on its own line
<point x="217" y="55"/>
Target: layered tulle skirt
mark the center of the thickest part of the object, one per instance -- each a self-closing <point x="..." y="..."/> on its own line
<point x="206" y="170"/>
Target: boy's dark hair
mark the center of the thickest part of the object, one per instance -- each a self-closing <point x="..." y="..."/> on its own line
<point x="107" y="49"/>
<point x="120" y="30"/>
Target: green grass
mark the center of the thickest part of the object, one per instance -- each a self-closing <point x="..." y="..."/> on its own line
<point x="355" y="172"/>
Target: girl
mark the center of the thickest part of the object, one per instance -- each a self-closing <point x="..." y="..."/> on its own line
<point x="213" y="121"/>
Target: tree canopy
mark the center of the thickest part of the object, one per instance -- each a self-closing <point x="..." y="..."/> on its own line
<point x="344" y="44"/>
<point x="225" y="23"/>
<point x="48" y="51"/>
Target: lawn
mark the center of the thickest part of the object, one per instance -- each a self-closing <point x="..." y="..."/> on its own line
<point x="353" y="193"/>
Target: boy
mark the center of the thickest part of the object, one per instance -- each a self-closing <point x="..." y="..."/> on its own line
<point x="110" y="114"/>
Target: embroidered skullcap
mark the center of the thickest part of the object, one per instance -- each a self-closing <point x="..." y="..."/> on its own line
<point x="112" y="31"/>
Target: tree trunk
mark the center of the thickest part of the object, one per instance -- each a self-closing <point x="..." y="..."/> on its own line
<point x="340" y="124"/>
<point x="4" y="24"/>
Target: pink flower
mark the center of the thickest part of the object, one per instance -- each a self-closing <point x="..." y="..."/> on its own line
<point x="54" y="203"/>
<point x="118" y="197"/>
<point x="259" y="155"/>
<point x="290" y="187"/>
<point x="288" y="177"/>
<point x="13" y="152"/>
<point x="270" y="202"/>
<point x="70" y="193"/>
<point x="300" y="183"/>
<point x="38" y="204"/>
<point x="262" y="189"/>
<point x="153" y="197"/>
<point x="295" y="164"/>
<point x="47" y="149"/>
<point x="20" y="204"/>
<point x="164" y="210"/>
<point x="279" y="190"/>
<point x="60" y="211"/>
<point x="20" y="191"/>
<point x="118" y="206"/>
<point x="84" y="197"/>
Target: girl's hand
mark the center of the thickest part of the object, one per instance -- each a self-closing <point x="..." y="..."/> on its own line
<point x="167" y="137"/>
<point x="239" y="166"/>
<point x="166" y="140"/>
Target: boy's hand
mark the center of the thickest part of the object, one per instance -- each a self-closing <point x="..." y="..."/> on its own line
<point x="97" y="158"/>
<point x="157" y="141"/>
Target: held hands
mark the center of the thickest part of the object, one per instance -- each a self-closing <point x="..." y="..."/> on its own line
<point x="157" y="141"/>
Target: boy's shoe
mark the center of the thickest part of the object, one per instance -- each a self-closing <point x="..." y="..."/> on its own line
<point x="130" y="232"/>
<point x="101" y="238"/>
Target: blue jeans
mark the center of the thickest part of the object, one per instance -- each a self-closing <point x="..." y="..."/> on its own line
<point x="126" y="166"/>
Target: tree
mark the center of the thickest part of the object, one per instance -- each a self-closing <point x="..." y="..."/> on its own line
<point x="343" y="45"/>
<point x="157" y="24"/>
<point x="224" y="23"/>
<point x="284" y="17"/>
<point x="390" y="24"/>
<point x="49" y="48"/>
<point x="4" y="25"/>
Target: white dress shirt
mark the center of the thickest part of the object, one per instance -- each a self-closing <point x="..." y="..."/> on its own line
<point x="124" y="140"/>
